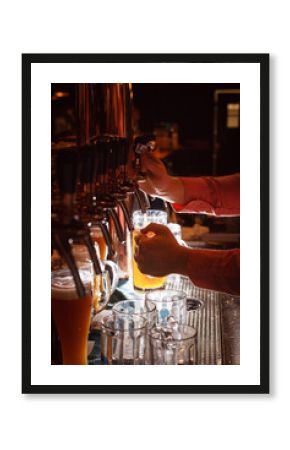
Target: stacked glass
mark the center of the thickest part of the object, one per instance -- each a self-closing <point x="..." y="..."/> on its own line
<point x="172" y="341"/>
<point x="123" y="340"/>
<point x="164" y="337"/>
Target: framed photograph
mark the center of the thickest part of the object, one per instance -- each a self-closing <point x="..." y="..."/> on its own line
<point x="145" y="232"/>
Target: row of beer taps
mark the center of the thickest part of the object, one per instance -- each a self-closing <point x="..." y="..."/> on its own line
<point x="95" y="174"/>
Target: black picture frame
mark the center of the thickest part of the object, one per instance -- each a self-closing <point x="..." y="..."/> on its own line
<point x="263" y="61"/>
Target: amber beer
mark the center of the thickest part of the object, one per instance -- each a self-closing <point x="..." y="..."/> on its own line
<point x="71" y="315"/>
<point x="140" y="280"/>
<point x="140" y="220"/>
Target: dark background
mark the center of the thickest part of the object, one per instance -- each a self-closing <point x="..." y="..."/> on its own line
<point x="189" y="105"/>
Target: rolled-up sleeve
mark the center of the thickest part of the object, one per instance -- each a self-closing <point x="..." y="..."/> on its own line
<point x="219" y="196"/>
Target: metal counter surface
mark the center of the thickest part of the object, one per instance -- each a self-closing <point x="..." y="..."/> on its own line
<point x="217" y="324"/>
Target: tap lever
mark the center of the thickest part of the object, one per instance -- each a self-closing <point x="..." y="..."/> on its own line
<point x="90" y="246"/>
<point x="107" y="238"/>
<point x="137" y="194"/>
<point x="144" y="143"/>
<point x="117" y="225"/>
<point x="142" y="199"/>
<point x="126" y="214"/>
<point x="146" y="200"/>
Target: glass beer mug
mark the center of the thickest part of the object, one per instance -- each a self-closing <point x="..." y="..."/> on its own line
<point x="104" y="284"/>
<point x="140" y="220"/>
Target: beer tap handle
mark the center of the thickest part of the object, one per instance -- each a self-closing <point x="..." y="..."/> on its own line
<point x="141" y="203"/>
<point x="143" y="144"/>
<point x="90" y="246"/>
<point x="126" y="215"/>
<point x="117" y="225"/>
<point x="146" y="200"/>
<point x="107" y="238"/>
<point x="168" y="208"/>
<point x="63" y="248"/>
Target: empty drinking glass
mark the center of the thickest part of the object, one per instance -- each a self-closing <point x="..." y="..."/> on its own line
<point x="170" y="306"/>
<point x="123" y="340"/>
<point x="141" y="308"/>
<point x="173" y="345"/>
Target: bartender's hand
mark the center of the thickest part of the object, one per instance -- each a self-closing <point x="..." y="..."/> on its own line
<point x="158" y="253"/>
<point x="158" y="183"/>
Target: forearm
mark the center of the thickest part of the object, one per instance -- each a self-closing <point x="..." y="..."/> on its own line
<point x="211" y="195"/>
<point x="172" y="191"/>
<point x="218" y="270"/>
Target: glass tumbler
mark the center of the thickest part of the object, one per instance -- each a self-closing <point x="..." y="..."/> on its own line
<point x="123" y="340"/>
<point x="141" y="308"/>
<point x="175" y="229"/>
<point x="141" y="220"/>
<point x="174" y="345"/>
<point x="170" y="305"/>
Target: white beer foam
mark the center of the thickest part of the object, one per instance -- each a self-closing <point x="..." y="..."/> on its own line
<point x="63" y="285"/>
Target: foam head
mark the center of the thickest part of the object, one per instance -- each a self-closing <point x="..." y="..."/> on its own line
<point x="63" y="285"/>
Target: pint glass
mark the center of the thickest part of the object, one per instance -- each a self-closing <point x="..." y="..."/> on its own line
<point x="140" y="220"/>
<point x="140" y="308"/>
<point x="173" y="345"/>
<point x="170" y="304"/>
<point x="123" y="340"/>
<point x="71" y="313"/>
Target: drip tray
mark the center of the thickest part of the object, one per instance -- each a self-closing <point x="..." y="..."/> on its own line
<point x="216" y="318"/>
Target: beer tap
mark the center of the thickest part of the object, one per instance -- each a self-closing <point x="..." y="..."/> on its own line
<point x="143" y="144"/>
<point x="108" y="195"/>
<point x="120" y="188"/>
<point x="91" y="212"/>
<point x="66" y="227"/>
<point x="104" y="120"/>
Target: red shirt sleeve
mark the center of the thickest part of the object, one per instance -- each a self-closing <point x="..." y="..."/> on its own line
<point x="218" y="270"/>
<point x="218" y="196"/>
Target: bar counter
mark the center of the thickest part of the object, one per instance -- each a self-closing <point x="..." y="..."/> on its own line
<point x="217" y="323"/>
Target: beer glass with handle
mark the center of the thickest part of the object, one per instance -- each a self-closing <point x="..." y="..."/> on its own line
<point x="141" y="220"/>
